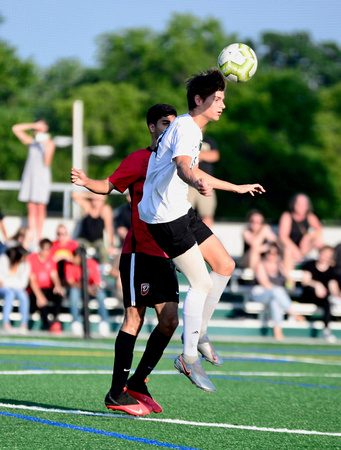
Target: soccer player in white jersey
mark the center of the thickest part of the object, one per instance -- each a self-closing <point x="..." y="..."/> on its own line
<point x="177" y="229"/>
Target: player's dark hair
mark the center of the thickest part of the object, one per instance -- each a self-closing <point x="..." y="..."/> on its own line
<point x="159" y="110"/>
<point x="204" y="84"/>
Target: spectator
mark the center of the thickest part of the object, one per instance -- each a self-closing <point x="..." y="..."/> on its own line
<point x="97" y="219"/>
<point x="62" y="250"/>
<point x="319" y="283"/>
<point x="122" y="221"/>
<point x="337" y="259"/>
<point x="257" y="238"/>
<point x="73" y="274"/>
<point x="205" y="206"/>
<point x="14" y="277"/>
<point x="271" y="291"/>
<point x="45" y="285"/>
<point x="300" y="231"/>
<point x="36" y="178"/>
<point x="20" y="237"/>
<point x="2" y="228"/>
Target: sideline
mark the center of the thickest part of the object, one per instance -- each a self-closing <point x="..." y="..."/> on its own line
<point x="172" y="421"/>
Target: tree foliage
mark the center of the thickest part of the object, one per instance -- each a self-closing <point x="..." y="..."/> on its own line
<point x="282" y="128"/>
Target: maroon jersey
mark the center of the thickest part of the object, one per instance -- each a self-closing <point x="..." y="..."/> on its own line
<point x="131" y="174"/>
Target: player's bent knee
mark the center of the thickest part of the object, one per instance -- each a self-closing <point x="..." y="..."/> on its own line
<point x="201" y="284"/>
<point x="168" y="326"/>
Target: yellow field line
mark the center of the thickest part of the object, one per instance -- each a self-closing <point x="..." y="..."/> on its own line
<point x="55" y="352"/>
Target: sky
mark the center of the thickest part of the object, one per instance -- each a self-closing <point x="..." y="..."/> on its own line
<point x="47" y="30"/>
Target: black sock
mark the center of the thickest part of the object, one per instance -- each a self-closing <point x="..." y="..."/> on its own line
<point x="124" y="348"/>
<point x="156" y="345"/>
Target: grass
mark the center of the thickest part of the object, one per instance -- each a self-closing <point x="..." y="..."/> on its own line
<point x="269" y="396"/>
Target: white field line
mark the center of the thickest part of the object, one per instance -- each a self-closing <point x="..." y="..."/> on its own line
<point x="171" y="372"/>
<point x="172" y="421"/>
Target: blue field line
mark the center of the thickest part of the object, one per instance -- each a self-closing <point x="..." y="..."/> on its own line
<point x="280" y="350"/>
<point x="289" y="383"/>
<point x="96" y="431"/>
<point x="73" y="366"/>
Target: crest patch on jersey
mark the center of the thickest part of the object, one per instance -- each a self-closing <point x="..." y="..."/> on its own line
<point x="145" y="288"/>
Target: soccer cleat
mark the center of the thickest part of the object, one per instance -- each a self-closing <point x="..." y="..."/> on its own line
<point x="195" y="373"/>
<point x="127" y="404"/>
<point x="142" y="394"/>
<point x="207" y="351"/>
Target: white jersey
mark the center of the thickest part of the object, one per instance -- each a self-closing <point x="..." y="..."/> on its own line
<point x="164" y="193"/>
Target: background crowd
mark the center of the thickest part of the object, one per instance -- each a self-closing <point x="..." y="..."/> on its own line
<point x="41" y="278"/>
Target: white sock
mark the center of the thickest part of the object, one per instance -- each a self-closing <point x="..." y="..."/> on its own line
<point x="192" y="317"/>
<point x="212" y="299"/>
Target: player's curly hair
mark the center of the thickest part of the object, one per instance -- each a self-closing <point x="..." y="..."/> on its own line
<point x="204" y="84"/>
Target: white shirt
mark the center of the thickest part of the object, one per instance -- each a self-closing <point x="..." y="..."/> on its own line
<point x="164" y="193"/>
<point x="17" y="280"/>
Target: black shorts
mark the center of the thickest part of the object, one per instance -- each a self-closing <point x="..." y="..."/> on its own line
<point x="148" y="280"/>
<point x="178" y="236"/>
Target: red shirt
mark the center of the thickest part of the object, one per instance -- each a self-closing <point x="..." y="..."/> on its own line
<point x="131" y="174"/>
<point x="73" y="273"/>
<point x="63" y="252"/>
<point x="42" y="270"/>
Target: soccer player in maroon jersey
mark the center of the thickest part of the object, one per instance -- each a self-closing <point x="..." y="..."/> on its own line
<point x="148" y="278"/>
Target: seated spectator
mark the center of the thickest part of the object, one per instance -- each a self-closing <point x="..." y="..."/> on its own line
<point x="271" y="291"/>
<point x="19" y="238"/>
<point x="320" y="285"/>
<point x="73" y="273"/>
<point x="97" y="219"/>
<point x="337" y="259"/>
<point x="45" y="286"/>
<point x="257" y="237"/>
<point x="122" y="220"/>
<point x="2" y="228"/>
<point x="62" y="250"/>
<point x="299" y="231"/>
<point x="14" y="277"/>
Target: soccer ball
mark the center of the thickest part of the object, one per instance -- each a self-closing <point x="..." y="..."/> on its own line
<point x="237" y="62"/>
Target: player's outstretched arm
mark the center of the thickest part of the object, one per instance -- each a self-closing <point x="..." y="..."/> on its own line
<point x="226" y="186"/>
<point x="79" y="178"/>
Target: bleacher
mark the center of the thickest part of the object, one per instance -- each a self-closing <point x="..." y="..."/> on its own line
<point x="235" y="315"/>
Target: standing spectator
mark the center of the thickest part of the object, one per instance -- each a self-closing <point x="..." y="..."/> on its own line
<point x="73" y="275"/>
<point x="205" y="206"/>
<point x="36" y="178"/>
<point x="257" y="238"/>
<point x="14" y="277"/>
<point x="2" y="228"/>
<point x="97" y="219"/>
<point x="300" y="231"/>
<point x="62" y="250"/>
<point x="270" y="291"/>
<point x="45" y="285"/>
<point x="319" y="283"/>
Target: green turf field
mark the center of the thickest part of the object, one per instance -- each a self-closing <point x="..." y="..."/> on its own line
<point x="269" y="396"/>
